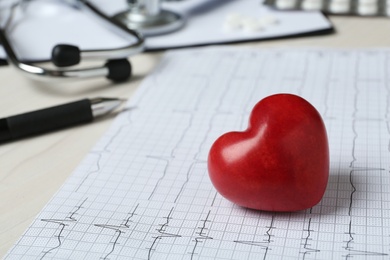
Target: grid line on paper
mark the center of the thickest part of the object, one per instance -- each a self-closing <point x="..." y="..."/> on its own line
<point x="143" y="191"/>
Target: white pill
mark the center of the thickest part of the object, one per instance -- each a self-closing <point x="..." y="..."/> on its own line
<point x="248" y="20"/>
<point x="233" y="21"/>
<point x="252" y="26"/>
<point x="233" y="24"/>
<point x="312" y="5"/>
<point x="233" y="17"/>
<point x="285" y="4"/>
<point x="268" y="20"/>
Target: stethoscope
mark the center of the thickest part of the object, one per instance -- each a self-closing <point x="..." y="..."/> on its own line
<point x="149" y="18"/>
<point x="143" y="17"/>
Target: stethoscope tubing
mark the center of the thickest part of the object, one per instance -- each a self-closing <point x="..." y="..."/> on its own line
<point x="44" y="74"/>
<point x="114" y="53"/>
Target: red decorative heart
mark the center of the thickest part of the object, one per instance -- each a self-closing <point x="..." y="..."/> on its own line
<point x="280" y="163"/>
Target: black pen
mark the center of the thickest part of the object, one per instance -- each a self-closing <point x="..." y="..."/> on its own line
<point x="54" y="118"/>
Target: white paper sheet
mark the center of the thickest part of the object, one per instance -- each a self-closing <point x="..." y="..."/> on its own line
<point x="143" y="192"/>
<point x="46" y="23"/>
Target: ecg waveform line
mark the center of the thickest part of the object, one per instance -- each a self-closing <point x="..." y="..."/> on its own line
<point x="164" y="172"/>
<point x="307" y="245"/>
<point x="192" y="113"/>
<point x="63" y="223"/>
<point x="188" y="173"/>
<point x="265" y="243"/>
<point x="162" y="231"/>
<point x="100" y="156"/>
<point x="118" y="229"/>
<point x="202" y="236"/>
<point x="355" y="136"/>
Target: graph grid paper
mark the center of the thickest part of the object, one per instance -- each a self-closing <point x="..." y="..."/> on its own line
<point x="143" y="191"/>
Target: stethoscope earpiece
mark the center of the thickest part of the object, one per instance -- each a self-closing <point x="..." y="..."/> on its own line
<point x="64" y="55"/>
<point x="118" y="70"/>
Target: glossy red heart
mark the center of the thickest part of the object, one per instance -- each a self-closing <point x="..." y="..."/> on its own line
<point x="279" y="163"/>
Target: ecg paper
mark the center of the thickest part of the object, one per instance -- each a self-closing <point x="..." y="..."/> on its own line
<point x="143" y="192"/>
